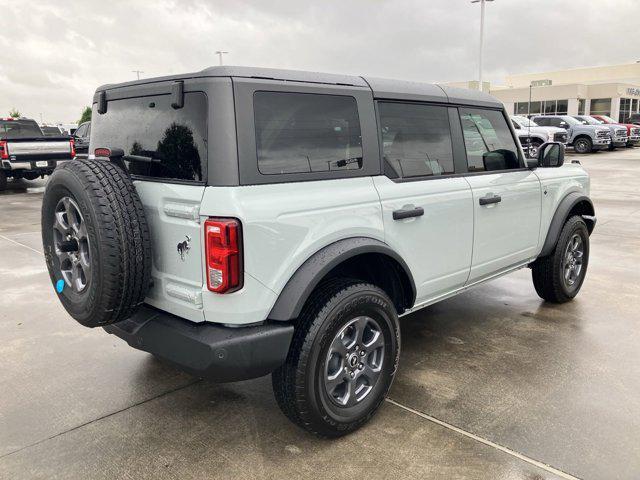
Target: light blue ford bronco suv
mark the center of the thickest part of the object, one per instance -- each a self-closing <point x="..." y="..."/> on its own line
<point x="238" y="222"/>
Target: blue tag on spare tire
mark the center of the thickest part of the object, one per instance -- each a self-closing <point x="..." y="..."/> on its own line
<point x="59" y="286"/>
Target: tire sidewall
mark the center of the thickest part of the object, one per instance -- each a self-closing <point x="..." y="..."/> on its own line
<point x="587" y="145"/>
<point x="376" y="305"/>
<point x="573" y="226"/>
<point x="80" y="306"/>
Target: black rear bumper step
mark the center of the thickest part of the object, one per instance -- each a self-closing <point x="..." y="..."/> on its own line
<point x="207" y="350"/>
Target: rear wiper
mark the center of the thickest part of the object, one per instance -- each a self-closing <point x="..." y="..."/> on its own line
<point x="140" y="159"/>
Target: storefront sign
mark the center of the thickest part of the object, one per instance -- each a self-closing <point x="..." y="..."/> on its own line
<point x="633" y="91"/>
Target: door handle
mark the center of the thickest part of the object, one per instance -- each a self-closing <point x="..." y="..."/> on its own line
<point x="489" y="200"/>
<point x="408" y="213"/>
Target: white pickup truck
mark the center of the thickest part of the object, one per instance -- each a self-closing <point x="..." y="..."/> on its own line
<point x="25" y="152"/>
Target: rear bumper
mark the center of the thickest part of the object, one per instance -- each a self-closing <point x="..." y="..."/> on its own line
<point x="32" y="165"/>
<point x="211" y="351"/>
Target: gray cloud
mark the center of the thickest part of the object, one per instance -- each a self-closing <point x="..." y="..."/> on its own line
<point x="56" y="56"/>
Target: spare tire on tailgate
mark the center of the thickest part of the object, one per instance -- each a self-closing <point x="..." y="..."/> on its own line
<point x="96" y="241"/>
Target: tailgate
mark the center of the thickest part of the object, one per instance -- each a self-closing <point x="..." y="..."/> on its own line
<point x="33" y="149"/>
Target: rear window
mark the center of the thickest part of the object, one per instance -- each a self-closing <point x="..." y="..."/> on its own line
<point x="416" y="139"/>
<point x="19" y="129"/>
<point x="305" y="132"/>
<point x="159" y="142"/>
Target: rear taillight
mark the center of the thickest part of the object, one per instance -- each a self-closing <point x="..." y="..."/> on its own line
<point x="72" y="143"/>
<point x="223" y="251"/>
<point x="102" y="152"/>
<point x="4" y="151"/>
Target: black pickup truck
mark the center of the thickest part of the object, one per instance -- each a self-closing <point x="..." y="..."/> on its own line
<point x="25" y="152"/>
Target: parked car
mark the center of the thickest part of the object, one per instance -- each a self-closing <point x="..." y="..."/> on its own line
<point x="619" y="137"/>
<point x="583" y="138"/>
<point x="241" y="221"/>
<point x="82" y="137"/>
<point x="537" y="134"/>
<point x="25" y="152"/>
<point x="633" y="131"/>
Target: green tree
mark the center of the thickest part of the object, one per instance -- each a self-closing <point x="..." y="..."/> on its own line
<point x="86" y="115"/>
<point x="14" y="113"/>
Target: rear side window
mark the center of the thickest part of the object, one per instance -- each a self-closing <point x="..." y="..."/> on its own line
<point x="416" y="140"/>
<point x="159" y="142"/>
<point x="305" y="132"/>
<point x="488" y="141"/>
<point x="19" y="129"/>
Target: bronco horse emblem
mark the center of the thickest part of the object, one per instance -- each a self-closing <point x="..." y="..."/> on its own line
<point x="184" y="247"/>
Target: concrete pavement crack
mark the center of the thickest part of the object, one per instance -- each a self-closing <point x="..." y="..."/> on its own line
<point x="168" y="392"/>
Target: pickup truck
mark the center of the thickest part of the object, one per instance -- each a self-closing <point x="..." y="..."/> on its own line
<point x="633" y="131"/>
<point x="619" y="137"/>
<point x="248" y="221"/>
<point x="583" y="138"/>
<point x="536" y="134"/>
<point x="25" y="152"/>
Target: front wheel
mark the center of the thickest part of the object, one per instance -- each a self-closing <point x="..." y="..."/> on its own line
<point x="558" y="277"/>
<point x="583" y="145"/>
<point x="534" y="148"/>
<point x="342" y="359"/>
<point x="3" y="181"/>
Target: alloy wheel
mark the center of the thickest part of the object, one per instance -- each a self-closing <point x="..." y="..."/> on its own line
<point x="354" y="361"/>
<point x="71" y="245"/>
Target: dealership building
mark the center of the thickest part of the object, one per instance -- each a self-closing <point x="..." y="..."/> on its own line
<point x="610" y="90"/>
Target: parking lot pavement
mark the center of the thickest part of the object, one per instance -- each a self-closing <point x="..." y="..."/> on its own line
<point x="493" y="383"/>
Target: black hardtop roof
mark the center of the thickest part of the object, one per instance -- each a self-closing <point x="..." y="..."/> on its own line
<point x="381" y="87"/>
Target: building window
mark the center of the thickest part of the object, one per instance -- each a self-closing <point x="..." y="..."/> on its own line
<point x="601" y="106"/>
<point x="581" y="104"/>
<point x="625" y="110"/>
<point x="562" y="107"/>
<point x="521" y="108"/>
<point x="536" y="108"/>
<point x="549" y="107"/>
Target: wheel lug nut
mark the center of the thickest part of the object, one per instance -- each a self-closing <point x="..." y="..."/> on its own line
<point x="362" y="353"/>
<point x="361" y="366"/>
<point x="353" y="374"/>
<point x="357" y="348"/>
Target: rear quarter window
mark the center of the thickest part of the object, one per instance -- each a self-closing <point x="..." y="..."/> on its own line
<point x="159" y="142"/>
<point x="306" y="132"/>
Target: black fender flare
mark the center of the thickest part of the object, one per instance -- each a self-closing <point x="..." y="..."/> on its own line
<point x="561" y="215"/>
<point x="297" y="290"/>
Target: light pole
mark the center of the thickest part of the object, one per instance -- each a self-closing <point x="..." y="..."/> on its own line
<point x="137" y="72"/>
<point x="481" y="2"/>
<point x="220" y="53"/>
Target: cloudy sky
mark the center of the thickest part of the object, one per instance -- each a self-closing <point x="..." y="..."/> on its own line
<point x="54" y="54"/>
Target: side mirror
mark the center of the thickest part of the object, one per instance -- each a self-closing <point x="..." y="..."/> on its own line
<point x="551" y="155"/>
<point x="564" y="125"/>
<point x="532" y="163"/>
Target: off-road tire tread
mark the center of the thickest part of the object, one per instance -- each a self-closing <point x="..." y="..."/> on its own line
<point x="123" y="237"/>
<point x="289" y="380"/>
<point x="546" y="272"/>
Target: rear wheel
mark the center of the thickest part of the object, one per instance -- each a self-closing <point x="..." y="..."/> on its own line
<point x="583" y="145"/>
<point x="342" y="359"/>
<point x="558" y="277"/>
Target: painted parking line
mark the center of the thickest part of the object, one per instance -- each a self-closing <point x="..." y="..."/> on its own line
<point x="487" y="442"/>
<point x="21" y="244"/>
